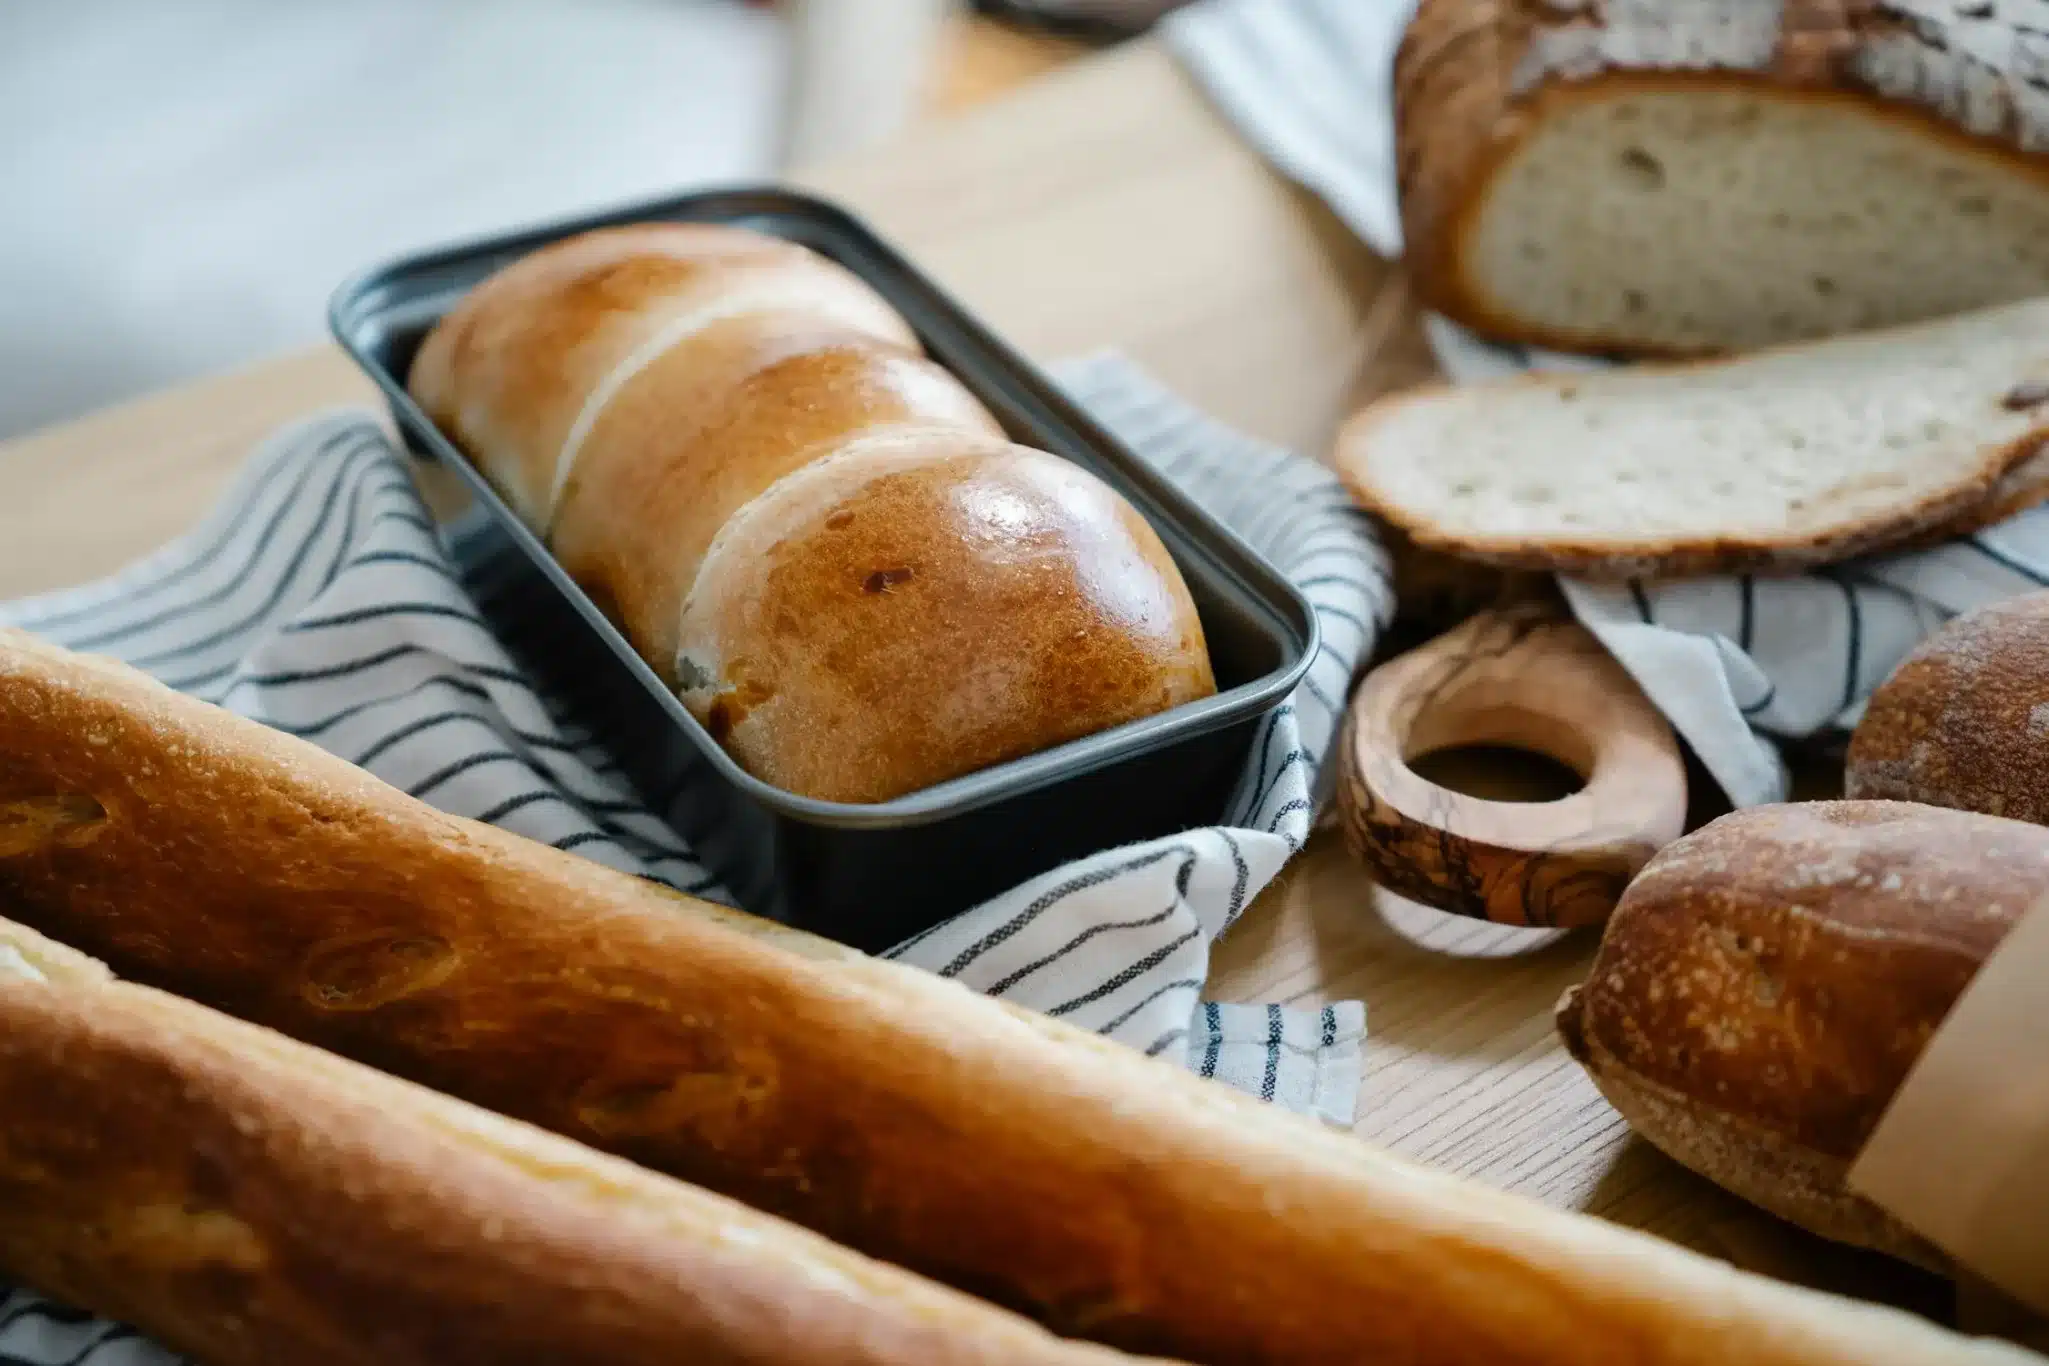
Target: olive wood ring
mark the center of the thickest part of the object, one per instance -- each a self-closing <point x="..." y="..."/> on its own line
<point x="1526" y="678"/>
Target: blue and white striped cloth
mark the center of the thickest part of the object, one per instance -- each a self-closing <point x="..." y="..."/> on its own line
<point x="320" y="598"/>
<point x="1735" y="663"/>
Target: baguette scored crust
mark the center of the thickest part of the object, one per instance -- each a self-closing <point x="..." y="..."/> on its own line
<point x="1959" y="86"/>
<point x="1118" y="1197"/>
<point x="252" y="1201"/>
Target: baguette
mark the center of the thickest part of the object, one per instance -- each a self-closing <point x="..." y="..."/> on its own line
<point x="249" y="1200"/>
<point x="1676" y="177"/>
<point x="1117" y="1197"/>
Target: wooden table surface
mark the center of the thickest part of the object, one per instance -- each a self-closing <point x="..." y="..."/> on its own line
<point x="1106" y="205"/>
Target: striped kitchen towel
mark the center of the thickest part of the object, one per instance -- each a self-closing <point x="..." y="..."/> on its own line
<point x="1736" y="663"/>
<point x="1109" y="18"/>
<point x="322" y="598"/>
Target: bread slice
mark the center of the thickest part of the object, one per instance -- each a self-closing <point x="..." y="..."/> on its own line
<point x="1790" y="457"/>
<point x="2024" y="486"/>
<point x="1663" y="177"/>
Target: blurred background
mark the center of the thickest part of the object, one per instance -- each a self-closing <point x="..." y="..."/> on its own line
<point x="186" y="181"/>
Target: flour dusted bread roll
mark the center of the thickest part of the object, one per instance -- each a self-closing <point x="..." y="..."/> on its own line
<point x="254" y="1201"/>
<point x="809" y="529"/>
<point x="1690" y="176"/>
<point x="1962" y="722"/>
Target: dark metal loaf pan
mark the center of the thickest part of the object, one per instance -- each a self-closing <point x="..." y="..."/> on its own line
<point x="868" y="875"/>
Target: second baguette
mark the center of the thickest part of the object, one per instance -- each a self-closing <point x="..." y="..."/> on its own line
<point x="252" y="1201"/>
<point x="1117" y="1197"/>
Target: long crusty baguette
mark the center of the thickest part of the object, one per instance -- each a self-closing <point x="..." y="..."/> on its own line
<point x="1119" y="1197"/>
<point x="254" y="1201"/>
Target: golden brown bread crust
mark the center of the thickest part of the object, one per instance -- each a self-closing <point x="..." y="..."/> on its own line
<point x="711" y="425"/>
<point x="1767" y="982"/>
<point x="506" y="374"/>
<point x="637" y="392"/>
<point x="2024" y="486"/>
<point x="813" y="588"/>
<point x="1961" y="722"/>
<point x="247" y="1199"/>
<point x="1118" y="1196"/>
<point x="1472" y="78"/>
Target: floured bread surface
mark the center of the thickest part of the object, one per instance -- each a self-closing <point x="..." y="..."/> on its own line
<point x="1689" y="220"/>
<point x="1793" y="456"/>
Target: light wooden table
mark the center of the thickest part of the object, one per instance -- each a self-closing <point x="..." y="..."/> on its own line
<point x="1106" y="205"/>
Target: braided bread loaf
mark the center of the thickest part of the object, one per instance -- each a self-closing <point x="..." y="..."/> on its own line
<point x="811" y="531"/>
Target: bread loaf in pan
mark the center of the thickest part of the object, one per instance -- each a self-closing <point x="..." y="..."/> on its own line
<point x="1673" y="177"/>
<point x="1964" y="720"/>
<point x="815" y="534"/>
<point x="255" y="1202"/>
<point x="1117" y="1197"/>
<point x="1767" y="982"/>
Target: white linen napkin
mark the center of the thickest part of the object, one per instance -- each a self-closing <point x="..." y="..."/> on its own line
<point x="319" y="597"/>
<point x="1735" y="663"/>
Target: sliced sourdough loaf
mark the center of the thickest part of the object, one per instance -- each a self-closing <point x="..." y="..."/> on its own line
<point x="1674" y="177"/>
<point x="1790" y="457"/>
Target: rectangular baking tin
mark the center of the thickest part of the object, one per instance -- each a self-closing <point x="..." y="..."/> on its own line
<point x="868" y="875"/>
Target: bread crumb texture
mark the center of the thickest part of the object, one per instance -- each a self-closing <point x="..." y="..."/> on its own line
<point x="1787" y="456"/>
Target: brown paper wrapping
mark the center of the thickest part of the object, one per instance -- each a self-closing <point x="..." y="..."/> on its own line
<point x="1961" y="1156"/>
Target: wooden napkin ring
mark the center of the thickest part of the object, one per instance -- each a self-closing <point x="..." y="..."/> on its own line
<point x="1529" y="679"/>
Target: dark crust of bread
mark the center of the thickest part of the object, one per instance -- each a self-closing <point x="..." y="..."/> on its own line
<point x="1466" y="99"/>
<point x="254" y="1202"/>
<point x="1767" y="982"/>
<point x="2024" y="486"/>
<point x="1119" y="1197"/>
<point x="1594" y="558"/>
<point x="1962" y="722"/>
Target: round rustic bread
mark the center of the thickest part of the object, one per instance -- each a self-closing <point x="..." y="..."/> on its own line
<point x="1964" y="721"/>
<point x="1767" y="982"/>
